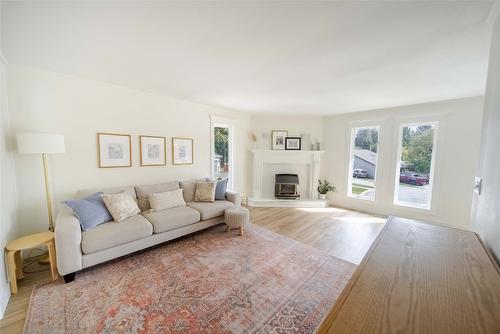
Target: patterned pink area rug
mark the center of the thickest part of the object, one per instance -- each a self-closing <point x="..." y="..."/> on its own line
<point x="210" y="282"/>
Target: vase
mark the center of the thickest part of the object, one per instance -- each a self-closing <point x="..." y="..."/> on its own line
<point x="322" y="196"/>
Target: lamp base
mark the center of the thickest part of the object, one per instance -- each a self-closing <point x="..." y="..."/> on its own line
<point x="44" y="259"/>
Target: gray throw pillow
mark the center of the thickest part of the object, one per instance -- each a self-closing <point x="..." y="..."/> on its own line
<point x="220" y="189"/>
<point x="90" y="211"/>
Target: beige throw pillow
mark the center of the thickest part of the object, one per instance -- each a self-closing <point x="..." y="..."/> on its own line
<point x="143" y="192"/>
<point x="166" y="200"/>
<point x="189" y="188"/>
<point x="121" y="206"/>
<point x="205" y="192"/>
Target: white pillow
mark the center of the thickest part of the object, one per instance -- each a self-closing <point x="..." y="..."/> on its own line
<point x="121" y="206"/>
<point x="166" y="200"/>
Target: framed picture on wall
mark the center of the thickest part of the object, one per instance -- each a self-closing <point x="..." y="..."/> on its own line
<point x="182" y="151"/>
<point x="278" y="139"/>
<point x="293" y="143"/>
<point x="115" y="150"/>
<point x="153" y="150"/>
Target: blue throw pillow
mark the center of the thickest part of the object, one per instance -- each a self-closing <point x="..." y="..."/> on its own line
<point x="91" y="211"/>
<point x="220" y="189"/>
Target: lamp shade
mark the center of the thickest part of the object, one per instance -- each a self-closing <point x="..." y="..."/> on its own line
<point x="30" y="143"/>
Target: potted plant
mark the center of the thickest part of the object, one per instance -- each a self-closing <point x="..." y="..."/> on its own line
<point x="324" y="187"/>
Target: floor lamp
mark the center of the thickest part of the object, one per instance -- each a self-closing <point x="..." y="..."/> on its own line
<point x="42" y="143"/>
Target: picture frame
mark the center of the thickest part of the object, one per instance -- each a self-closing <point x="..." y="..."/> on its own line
<point x="293" y="143"/>
<point x="278" y="139"/>
<point x="114" y="150"/>
<point x="182" y="151"/>
<point x="153" y="150"/>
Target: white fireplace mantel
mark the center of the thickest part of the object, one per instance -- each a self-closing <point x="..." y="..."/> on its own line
<point x="263" y="157"/>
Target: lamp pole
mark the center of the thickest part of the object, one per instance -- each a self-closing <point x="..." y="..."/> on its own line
<point x="47" y="192"/>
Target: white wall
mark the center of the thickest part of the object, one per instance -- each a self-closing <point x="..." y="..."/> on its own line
<point x="456" y="157"/>
<point x="42" y="101"/>
<point x="8" y="228"/>
<point x="296" y="125"/>
<point x="486" y="207"/>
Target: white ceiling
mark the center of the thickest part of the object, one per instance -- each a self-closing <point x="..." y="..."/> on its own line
<point x="295" y="57"/>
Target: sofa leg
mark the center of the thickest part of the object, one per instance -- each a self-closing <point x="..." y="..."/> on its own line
<point x="69" y="278"/>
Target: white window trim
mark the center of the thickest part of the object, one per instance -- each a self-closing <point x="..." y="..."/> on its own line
<point x="225" y="122"/>
<point x="430" y="205"/>
<point x="350" y="160"/>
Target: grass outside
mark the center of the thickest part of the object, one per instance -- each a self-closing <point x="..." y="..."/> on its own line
<point x="357" y="190"/>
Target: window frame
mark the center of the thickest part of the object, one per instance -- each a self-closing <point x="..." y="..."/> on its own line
<point x="429" y="207"/>
<point x="350" y="160"/>
<point x="223" y="122"/>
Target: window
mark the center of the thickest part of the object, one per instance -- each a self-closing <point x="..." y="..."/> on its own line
<point x="414" y="171"/>
<point x="363" y="163"/>
<point x="222" y="152"/>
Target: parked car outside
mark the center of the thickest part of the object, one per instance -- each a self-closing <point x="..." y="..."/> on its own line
<point x="358" y="172"/>
<point x="413" y="178"/>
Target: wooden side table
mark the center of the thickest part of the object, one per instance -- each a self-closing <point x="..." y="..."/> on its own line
<point x="15" y="262"/>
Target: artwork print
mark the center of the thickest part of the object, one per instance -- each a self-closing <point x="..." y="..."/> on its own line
<point x="152" y="150"/>
<point x="114" y="150"/>
<point x="293" y="143"/>
<point x="278" y="139"/>
<point x="182" y="151"/>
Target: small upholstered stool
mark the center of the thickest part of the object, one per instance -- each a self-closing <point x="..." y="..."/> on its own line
<point x="236" y="218"/>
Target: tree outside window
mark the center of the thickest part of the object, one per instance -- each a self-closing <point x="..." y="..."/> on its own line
<point x="221" y="147"/>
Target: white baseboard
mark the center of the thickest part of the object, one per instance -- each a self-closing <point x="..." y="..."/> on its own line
<point x="4" y="299"/>
<point x="287" y="203"/>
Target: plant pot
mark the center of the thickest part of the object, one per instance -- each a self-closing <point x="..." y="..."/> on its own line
<point x="322" y="196"/>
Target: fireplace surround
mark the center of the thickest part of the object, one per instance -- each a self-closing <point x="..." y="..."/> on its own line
<point x="268" y="163"/>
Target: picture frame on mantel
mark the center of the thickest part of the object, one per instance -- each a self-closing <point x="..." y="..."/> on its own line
<point x="293" y="143"/>
<point x="114" y="150"/>
<point x="278" y="139"/>
<point x="153" y="150"/>
<point x="182" y="151"/>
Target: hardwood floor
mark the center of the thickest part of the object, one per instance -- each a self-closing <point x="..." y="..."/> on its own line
<point x="343" y="233"/>
<point x="13" y="320"/>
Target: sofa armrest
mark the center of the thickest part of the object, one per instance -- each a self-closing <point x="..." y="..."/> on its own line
<point x="68" y="237"/>
<point x="233" y="196"/>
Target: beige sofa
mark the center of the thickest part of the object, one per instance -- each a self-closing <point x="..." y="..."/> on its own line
<point x="77" y="249"/>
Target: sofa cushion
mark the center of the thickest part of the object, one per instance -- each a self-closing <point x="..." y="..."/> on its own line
<point x="114" y="190"/>
<point x="171" y="219"/>
<point x="210" y="210"/>
<point x="189" y="188"/>
<point x="112" y="234"/>
<point x="144" y="191"/>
